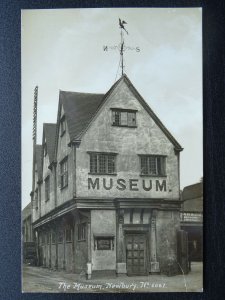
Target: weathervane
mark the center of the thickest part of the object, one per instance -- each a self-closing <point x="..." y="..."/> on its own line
<point x="121" y="47"/>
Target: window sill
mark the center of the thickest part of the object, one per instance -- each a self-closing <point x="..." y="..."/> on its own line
<point x="126" y="126"/>
<point x="149" y="175"/>
<point x="103" y="174"/>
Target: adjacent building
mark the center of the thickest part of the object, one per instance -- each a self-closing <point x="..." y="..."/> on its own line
<point x="107" y="194"/>
<point x="27" y="231"/>
<point x="192" y="219"/>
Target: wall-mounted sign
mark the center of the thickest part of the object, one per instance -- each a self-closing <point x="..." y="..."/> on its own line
<point x="131" y="184"/>
<point x="191" y="217"/>
<point x="104" y="243"/>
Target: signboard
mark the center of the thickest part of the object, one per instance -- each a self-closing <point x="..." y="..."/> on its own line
<point x="191" y="217"/>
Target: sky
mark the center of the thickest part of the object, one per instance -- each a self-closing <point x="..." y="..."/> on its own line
<point x="62" y="49"/>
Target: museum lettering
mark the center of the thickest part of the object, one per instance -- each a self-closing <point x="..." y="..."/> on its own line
<point x="130" y="184"/>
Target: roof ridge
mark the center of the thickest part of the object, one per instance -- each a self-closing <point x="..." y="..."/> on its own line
<point x="81" y="93"/>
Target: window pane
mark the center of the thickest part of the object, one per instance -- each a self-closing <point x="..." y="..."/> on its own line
<point x="123" y="120"/>
<point x="144" y="165"/>
<point x="111" y="164"/>
<point x="131" y="119"/>
<point x="161" y="165"/>
<point x="93" y="163"/>
<point x="152" y="165"/>
<point x="102" y="163"/>
<point x="117" y="117"/>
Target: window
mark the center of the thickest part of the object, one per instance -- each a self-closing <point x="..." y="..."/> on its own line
<point x="81" y="232"/>
<point x="53" y="237"/>
<point x="68" y="235"/>
<point x="64" y="173"/>
<point x="47" y="188"/>
<point x="102" y="163"/>
<point x="60" y="236"/>
<point x="42" y="238"/>
<point x="153" y="165"/>
<point x="123" y="117"/>
<point x="48" y="237"/>
<point x="62" y="126"/>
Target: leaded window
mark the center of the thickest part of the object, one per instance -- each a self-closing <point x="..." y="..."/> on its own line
<point x="124" y="118"/>
<point x="64" y="173"/>
<point x="102" y="163"/>
<point x="153" y="165"/>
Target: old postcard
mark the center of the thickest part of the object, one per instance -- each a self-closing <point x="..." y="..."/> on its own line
<point x="112" y="171"/>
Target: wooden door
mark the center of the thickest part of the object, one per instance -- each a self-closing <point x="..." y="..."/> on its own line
<point x="136" y="254"/>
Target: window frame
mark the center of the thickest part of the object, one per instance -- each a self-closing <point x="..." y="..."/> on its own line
<point x="47" y="191"/>
<point x="53" y="234"/>
<point x="119" y="112"/>
<point x="81" y="232"/>
<point x="68" y="229"/>
<point x="62" y="173"/>
<point x="110" y="158"/>
<point x="60" y="237"/>
<point x="160" y="169"/>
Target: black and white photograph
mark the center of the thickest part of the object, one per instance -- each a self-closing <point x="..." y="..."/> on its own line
<point x="112" y="150"/>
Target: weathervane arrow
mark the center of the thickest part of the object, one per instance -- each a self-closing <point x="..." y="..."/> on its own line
<point x="121" y="47"/>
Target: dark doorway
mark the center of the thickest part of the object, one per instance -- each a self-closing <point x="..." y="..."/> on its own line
<point x="136" y="254"/>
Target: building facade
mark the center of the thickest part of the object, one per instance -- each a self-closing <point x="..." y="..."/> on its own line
<point x="27" y="230"/>
<point x="192" y="219"/>
<point x="107" y="193"/>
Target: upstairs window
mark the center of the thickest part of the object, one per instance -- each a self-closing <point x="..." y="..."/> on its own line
<point x="153" y="165"/>
<point x="64" y="173"/>
<point x="62" y="126"/>
<point x="47" y="188"/>
<point x="102" y="163"/>
<point x="123" y="117"/>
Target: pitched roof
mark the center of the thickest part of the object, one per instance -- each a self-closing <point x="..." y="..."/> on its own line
<point x="193" y="191"/>
<point x="50" y="133"/>
<point x="79" y="108"/>
<point x="38" y="152"/>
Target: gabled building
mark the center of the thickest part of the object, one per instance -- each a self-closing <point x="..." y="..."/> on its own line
<point x="109" y="192"/>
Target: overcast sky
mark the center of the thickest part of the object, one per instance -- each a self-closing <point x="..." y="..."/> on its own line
<point x="63" y="50"/>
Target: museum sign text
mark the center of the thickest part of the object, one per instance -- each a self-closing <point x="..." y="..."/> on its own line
<point x="130" y="184"/>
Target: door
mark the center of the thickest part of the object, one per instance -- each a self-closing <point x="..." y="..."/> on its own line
<point x="136" y="254"/>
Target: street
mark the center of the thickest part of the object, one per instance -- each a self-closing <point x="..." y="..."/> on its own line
<point x="38" y="279"/>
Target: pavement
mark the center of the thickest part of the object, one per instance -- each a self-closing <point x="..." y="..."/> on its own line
<point x="38" y="279"/>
